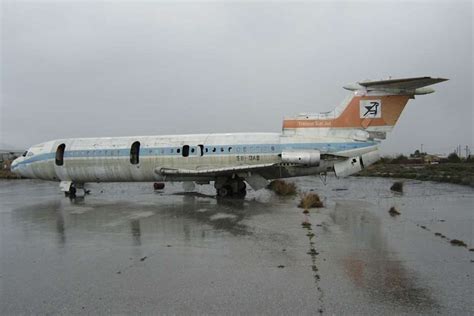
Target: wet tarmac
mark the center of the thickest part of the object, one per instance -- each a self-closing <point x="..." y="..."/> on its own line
<point x="128" y="249"/>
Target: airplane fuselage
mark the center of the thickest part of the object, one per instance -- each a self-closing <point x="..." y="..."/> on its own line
<point x="113" y="159"/>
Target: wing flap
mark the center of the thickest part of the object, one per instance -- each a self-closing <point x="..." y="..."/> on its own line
<point x="211" y="171"/>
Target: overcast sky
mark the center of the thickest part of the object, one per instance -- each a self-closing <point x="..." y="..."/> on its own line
<point x="90" y="68"/>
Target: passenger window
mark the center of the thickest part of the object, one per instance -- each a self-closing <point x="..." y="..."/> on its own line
<point x="214" y="149"/>
<point x="185" y="150"/>
<point x="60" y="154"/>
<point x="192" y="150"/>
<point x="222" y="149"/>
<point x="230" y="149"/>
<point x="201" y="150"/>
<point x="134" y="153"/>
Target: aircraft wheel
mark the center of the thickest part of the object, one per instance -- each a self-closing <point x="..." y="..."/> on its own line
<point x="242" y="188"/>
<point x="224" y="191"/>
<point x="72" y="192"/>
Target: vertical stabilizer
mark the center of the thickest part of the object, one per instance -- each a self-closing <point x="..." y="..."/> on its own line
<point x="373" y="110"/>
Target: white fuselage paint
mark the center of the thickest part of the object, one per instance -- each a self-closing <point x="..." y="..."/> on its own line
<point x="108" y="159"/>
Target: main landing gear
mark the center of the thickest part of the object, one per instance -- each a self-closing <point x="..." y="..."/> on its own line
<point x="230" y="187"/>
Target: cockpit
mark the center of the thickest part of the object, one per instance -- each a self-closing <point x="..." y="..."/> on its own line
<point x="27" y="153"/>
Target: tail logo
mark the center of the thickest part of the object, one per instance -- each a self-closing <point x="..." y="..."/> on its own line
<point x="370" y="108"/>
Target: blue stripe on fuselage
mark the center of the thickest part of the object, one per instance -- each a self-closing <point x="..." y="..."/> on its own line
<point x="219" y="150"/>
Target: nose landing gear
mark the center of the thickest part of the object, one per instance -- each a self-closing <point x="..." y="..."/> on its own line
<point x="72" y="190"/>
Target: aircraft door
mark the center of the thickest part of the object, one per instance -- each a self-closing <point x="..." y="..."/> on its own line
<point x="135" y="161"/>
<point x="60" y="163"/>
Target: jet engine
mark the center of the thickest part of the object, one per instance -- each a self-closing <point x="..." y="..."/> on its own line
<point x="302" y="157"/>
<point x="355" y="164"/>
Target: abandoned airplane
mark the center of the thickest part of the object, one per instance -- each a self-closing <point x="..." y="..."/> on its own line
<point x="343" y="141"/>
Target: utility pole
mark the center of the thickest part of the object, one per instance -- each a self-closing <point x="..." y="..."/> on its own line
<point x="467" y="151"/>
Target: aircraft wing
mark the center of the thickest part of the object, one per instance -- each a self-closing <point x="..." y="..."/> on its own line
<point x="406" y="84"/>
<point x="212" y="171"/>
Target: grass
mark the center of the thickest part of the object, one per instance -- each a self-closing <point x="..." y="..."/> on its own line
<point x="310" y="200"/>
<point x="397" y="186"/>
<point x="459" y="173"/>
<point x="393" y="211"/>
<point x="457" y="242"/>
<point x="7" y="174"/>
<point x="282" y="188"/>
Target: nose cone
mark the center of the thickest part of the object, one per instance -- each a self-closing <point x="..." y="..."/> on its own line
<point x="14" y="166"/>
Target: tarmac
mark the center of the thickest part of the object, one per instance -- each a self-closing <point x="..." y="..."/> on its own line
<point x="127" y="249"/>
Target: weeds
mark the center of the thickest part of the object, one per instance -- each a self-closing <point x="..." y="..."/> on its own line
<point x="282" y="188"/>
<point x="310" y="200"/>
<point x="397" y="186"/>
<point x="393" y="211"/>
<point x="457" y="242"/>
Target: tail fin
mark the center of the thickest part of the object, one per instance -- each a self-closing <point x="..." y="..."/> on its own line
<point x="375" y="107"/>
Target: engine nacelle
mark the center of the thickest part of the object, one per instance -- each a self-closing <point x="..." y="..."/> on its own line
<point x="303" y="157"/>
<point x="355" y="164"/>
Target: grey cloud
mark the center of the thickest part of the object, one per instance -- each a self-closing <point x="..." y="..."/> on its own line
<point x="79" y="69"/>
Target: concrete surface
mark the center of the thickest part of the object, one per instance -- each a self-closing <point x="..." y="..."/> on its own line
<point x="126" y="249"/>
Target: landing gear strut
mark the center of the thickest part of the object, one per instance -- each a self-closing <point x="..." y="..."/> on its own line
<point x="72" y="190"/>
<point x="230" y="187"/>
<point x="71" y="193"/>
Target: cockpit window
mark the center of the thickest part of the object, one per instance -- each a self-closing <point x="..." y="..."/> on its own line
<point x="24" y="154"/>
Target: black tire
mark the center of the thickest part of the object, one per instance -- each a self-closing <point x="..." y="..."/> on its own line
<point x="225" y="191"/>
<point x="242" y="188"/>
<point x="72" y="192"/>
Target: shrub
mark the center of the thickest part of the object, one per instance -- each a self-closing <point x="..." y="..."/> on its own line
<point x="399" y="159"/>
<point x="397" y="186"/>
<point x="393" y="211"/>
<point x="310" y="200"/>
<point x="453" y="157"/>
<point x="282" y="188"/>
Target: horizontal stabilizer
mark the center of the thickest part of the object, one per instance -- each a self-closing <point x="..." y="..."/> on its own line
<point x="402" y="84"/>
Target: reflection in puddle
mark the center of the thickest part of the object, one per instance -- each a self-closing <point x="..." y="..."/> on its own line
<point x="369" y="262"/>
<point x="176" y="215"/>
<point x="60" y="228"/>
<point x="136" y="232"/>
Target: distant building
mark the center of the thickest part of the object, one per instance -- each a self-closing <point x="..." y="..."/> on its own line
<point x="8" y="155"/>
<point x="429" y="158"/>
